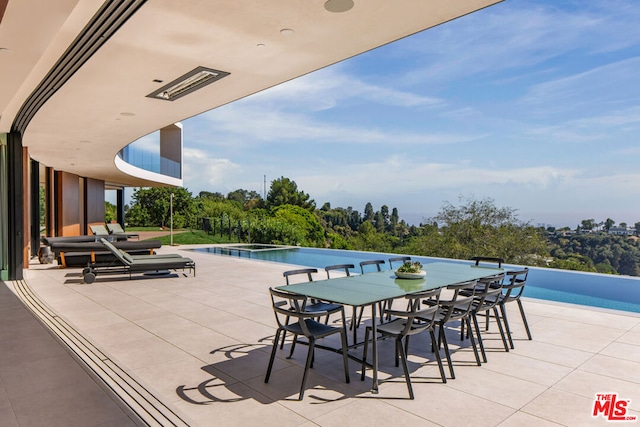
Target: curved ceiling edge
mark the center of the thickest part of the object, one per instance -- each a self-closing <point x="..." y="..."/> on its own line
<point x="111" y="16"/>
<point x="137" y="172"/>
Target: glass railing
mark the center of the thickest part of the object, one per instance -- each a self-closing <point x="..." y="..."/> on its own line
<point x="150" y="161"/>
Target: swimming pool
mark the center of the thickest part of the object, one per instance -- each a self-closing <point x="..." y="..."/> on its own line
<point x="596" y="290"/>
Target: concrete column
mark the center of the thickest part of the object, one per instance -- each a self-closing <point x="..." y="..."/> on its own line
<point x="120" y="206"/>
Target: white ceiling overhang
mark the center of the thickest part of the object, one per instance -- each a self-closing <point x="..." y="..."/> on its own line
<point x="103" y="105"/>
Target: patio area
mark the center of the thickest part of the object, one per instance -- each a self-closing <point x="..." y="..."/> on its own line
<point x="184" y="350"/>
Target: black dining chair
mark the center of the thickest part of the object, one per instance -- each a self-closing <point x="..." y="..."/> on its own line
<point x="405" y="324"/>
<point x="378" y="263"/>
<point x="400" y="259"/>
<point x="480" y="260"/>
<point x="456" y="308"/>
<point x="292" y="306"/>
<point x="487" y="261"/>
<point x="302" y="271"/>
<point x="486" y="298"/>
<point x="512" y="292"/>
<point x="313" y="305"/>
<point x="346" y="268"/>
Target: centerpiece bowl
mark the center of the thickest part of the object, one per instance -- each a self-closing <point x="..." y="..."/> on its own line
<point x="411" y="270"/>
<point x="418" y="275"/>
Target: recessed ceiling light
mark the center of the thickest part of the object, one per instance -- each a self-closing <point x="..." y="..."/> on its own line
<point x="192" y="81"/>
<point x="286" y="31"/>
<point x="157" y="81"/>
<point x="127" y="114"/>
<point x="261" y="45"/>
<point x="338" y="6"/>
<point x="5" y="49"/>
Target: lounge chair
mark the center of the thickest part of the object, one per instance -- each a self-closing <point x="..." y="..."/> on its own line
<point x="125" y="263"/>
<point x="116" y="229"/>
<point x="99" y="230"/>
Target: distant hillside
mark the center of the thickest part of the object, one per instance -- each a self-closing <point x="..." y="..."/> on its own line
<point x="597" y="252"/>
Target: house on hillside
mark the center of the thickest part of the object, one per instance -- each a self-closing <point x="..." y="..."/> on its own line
<point x="622" y="231"/>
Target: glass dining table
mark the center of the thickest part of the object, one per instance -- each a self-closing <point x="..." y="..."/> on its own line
<point x="371" y="288"/>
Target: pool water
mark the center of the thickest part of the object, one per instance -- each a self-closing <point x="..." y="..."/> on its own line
<point x="596" y="290"/>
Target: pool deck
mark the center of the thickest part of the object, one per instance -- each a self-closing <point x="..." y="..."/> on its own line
<point x="186" y="350"/>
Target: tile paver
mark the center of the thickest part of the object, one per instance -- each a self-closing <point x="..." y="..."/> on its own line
<point x="201" y="345"/>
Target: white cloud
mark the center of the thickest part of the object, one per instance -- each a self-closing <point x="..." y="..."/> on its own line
<point x="589" y="89"/>
<point x="204" y="172"/>
<point x="252" y="123"/>
<point x="418" y="190"/>
<point x="391" y="178"/>
<point x="521" y="35"/>
<point x="608" y="126"/>
<point x="327" y="87"/>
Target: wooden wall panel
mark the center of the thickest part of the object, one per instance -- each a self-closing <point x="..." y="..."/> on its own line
<point x="67" y="206"/>
<point x="94" y="200"/>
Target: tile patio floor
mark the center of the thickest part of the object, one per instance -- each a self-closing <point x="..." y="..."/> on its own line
<point x="199" y="347"/>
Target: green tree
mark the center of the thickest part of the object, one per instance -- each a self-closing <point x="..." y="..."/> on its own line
<point x="368" y="239"/>
<point x="573" y="263"/>
<point x="479" y="227"/>
<point x="110" y="212"/>
<point x="151" y="207"/>
<point x="380" y="223"/>
<point x="210" y="195"/>
<point x="628" y="264"/>
<point x="588" y="224"/>
<point x="284" y="191"/>
<point x="368" y="213"/>
<point x="313" y="234"/>
<point x="336" y="241"/>
<point x="353" y="218"/>
<point x="394" y="220"/>
<point x="605" y="268"/>
<point x="608" y="224"/>
<point x="384" y="210"/>
<point x="210" y="208"/>
<point x="245" y="198"/>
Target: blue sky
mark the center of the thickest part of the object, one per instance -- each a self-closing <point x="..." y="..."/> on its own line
<point x="535" y="104"/>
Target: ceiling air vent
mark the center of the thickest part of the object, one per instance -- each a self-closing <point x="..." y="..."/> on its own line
<point x="193" y="80"/>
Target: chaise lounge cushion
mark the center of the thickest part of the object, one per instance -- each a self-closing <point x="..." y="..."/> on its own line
<point x="79" y="254"/>
<point x="99" y="230"/>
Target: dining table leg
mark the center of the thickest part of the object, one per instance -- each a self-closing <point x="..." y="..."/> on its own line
<point x="374" y="330"/>
<point x="354" y="325"/>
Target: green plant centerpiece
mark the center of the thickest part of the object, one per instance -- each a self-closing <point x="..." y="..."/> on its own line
<point x="411" y="270"/>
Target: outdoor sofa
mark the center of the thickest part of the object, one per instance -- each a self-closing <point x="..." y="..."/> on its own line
<point x="79" y="251"/>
